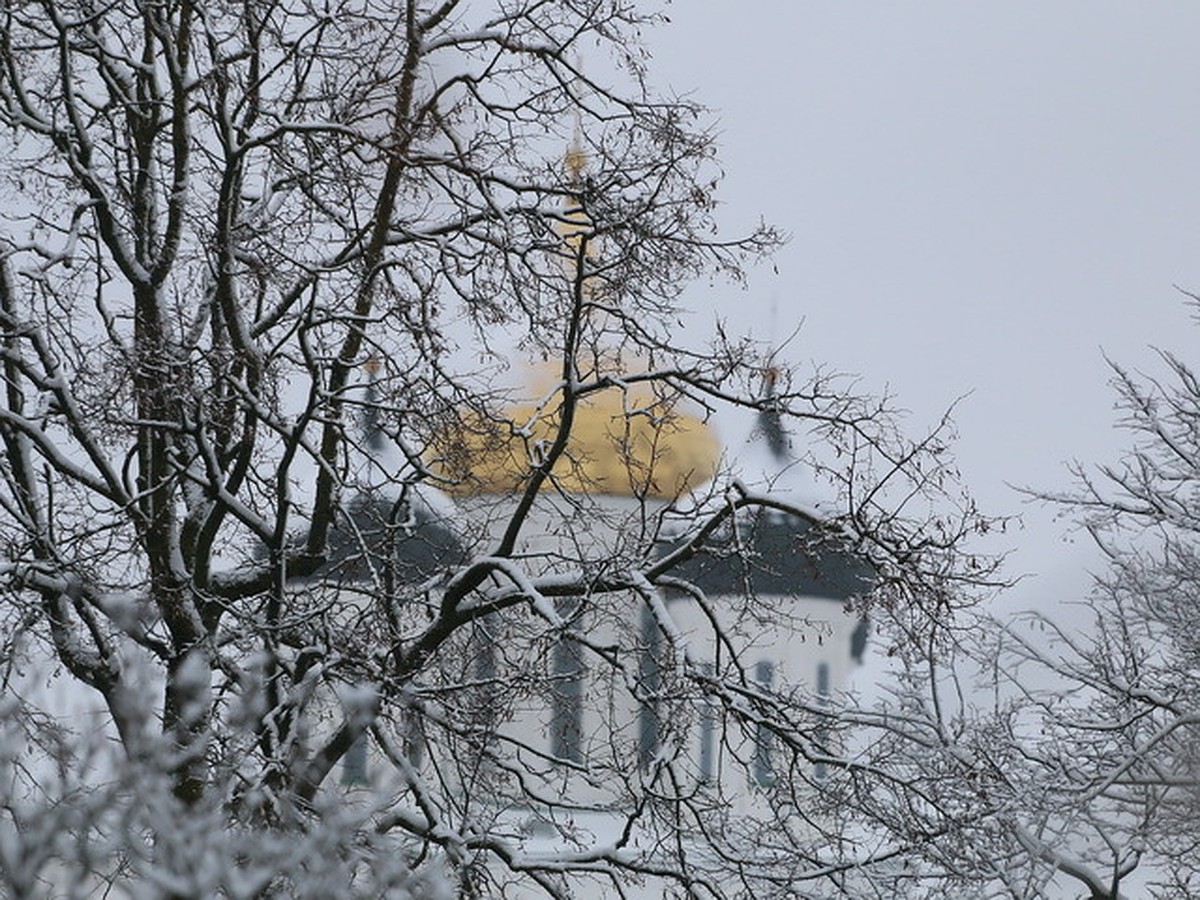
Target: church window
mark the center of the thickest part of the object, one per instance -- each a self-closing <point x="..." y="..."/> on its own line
<point x="354" y="763"/>
<point x="650" y="677"/>
<point x="708" y="733"/>
<point x="763" y="765"/>
<point x="822" y="733"/>
<point x="566" y="685"/>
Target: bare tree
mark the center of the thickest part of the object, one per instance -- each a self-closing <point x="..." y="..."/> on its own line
<point x="1054" y="754"/>
<point x="1120" y="721"/>
<point x="220" y="218"/>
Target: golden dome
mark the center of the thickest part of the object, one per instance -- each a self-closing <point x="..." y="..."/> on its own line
<point x="622" y="443"/>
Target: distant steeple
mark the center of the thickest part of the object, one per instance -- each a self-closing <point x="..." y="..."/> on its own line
<point x="575" y="222"/>
<point x="576" y="157"/>
<point x="770" y="419"/>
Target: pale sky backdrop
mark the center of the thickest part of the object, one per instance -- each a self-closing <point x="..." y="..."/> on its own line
<point x="982" y="198"/>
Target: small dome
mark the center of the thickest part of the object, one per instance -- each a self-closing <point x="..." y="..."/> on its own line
<point x="623" y="443"/>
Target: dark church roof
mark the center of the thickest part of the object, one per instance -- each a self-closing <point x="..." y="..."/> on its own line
<point x="773" y="553"/>
<point x="390" y="539"/>
<point x="379" y="535"/>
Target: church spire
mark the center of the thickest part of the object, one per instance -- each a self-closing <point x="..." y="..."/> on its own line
<point x="576" y="157"/>
<point x="575" y="221"/>
<point x="770" y="418"/>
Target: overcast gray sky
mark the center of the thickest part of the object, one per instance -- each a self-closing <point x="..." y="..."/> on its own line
<point x="981" y="198"/>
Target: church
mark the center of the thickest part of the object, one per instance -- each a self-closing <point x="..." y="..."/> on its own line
<point x="553" y="722"/>
<point x="635" y="671"/>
